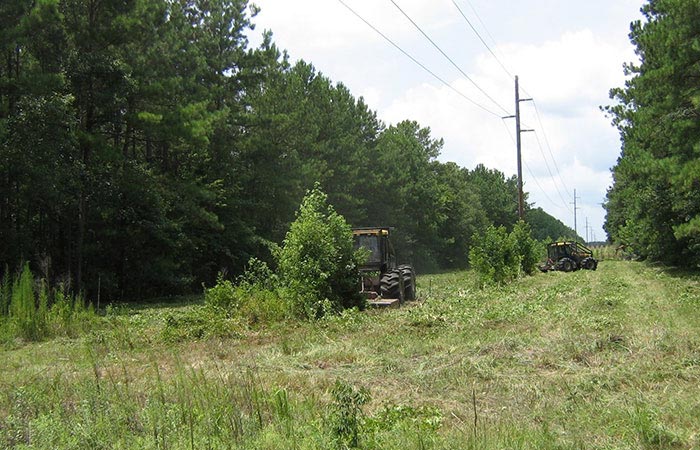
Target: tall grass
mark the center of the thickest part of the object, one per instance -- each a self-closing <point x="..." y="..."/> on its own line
<point x="31" y="310"/>
<point x="600" y="359"/>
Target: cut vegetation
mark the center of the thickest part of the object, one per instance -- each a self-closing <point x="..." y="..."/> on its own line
<point x="605" y="359"/>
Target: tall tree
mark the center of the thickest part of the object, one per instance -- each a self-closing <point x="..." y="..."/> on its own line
<point x="498" y="194"/>
<point x="653" y="205"/>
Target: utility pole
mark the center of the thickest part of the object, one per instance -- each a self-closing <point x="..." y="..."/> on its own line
<point x="575" y="208"/>
<point x="521" y="199"/>
<point x="587" y="230"/>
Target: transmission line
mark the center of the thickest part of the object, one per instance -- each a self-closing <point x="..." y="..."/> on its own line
<point x="476" y="13"/>
<point x="539" y="144"/>
<point x="539" y="120"/>
<point x="510" y="135"/>
<point x="498" y="60"/>
<point x="421" y="65"/>
<point x="447" y="57"/>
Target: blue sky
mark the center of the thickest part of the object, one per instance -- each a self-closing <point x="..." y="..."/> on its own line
<point x="567" y="55"/>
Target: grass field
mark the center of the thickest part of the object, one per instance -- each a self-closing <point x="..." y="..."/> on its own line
<point x="605" y="359"/>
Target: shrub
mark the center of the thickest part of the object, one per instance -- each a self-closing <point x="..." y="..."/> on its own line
<point x="258" y="275"/>
<point x="495" y="256"/>
<point x="254" y="299"/>
<point x="5" y="293"/>
<point x="526" y="246"/>
<point x="346" y="415"/>
<point x="317" y="262"/>
<point x="35" y="311"/>
<point x="201" y="322"/>
<point x="222" y="295"/>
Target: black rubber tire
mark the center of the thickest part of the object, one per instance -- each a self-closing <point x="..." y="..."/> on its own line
<point x="390" y="285"/>
<point x="409" y="282"/>
<point x="567" y="265"/>
<point x="589" y="264"/>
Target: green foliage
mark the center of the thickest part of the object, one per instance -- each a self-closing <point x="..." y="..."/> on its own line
<point x="202" y="322"/>
<point x="222" y="295"/>
<point x="425" y="419"/>
<point x="144" y="147"/>
<point x="501" y="367"/>
<point x="545" y="227"/>
<point x="318" y="264"/>
<point x="29" y="320"/>
<point x="346" y="415"/>
<point x="229" y="309"/>
<point x="5" y="293"/>
<point x="529" y="250"/>
<point x="37" y="312"/>
<point x="495" y="256"/>
<point x="653" y="207"/>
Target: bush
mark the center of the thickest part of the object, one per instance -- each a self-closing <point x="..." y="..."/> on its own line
<point x="346" y="415"/>
<point x="33" y="311"/>
<point x="222" y="295"/>
<point x="495" y="256"/>
<point x="254" y="299"/>
<point x="317" y="262"/>
<point x="526" y="246"/>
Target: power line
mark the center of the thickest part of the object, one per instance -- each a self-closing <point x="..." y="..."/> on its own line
<point x="539" y="120"/>
<point x="447" y="57"/>
<point x="476" y="13"/>
<point x="505" y="69"/>
<point x="539" y="144"/>
<point x="481" y="39"/>
<point x="510" y="135"/>
<point x="422" y="66"/>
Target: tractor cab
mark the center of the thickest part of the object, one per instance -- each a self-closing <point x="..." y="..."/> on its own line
<point x="382" y="282"/>
<point x="568" y="256"/>
<point x="381" y="256"/>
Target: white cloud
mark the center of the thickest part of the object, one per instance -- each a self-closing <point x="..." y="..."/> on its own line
<point x="329" y="26"/>
<point x="567" y="67"/>
<point x="570" y="78"/>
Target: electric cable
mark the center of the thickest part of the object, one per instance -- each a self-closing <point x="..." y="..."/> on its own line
<point x="421" y="65"/>
<point x="510" y="135"/>
<point x="476" y="13"/>
<point x="539" y="120"/>
<point x="498" y="60"/>
<point x="539" y="144"/>
<point x="448" y="58"/>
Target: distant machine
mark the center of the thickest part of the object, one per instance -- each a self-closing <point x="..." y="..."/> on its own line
<point x="382" y="281"/>
<point x="568" y="256"/>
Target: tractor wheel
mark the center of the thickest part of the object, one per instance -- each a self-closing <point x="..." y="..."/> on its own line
<point x="567" y="264"/>
<point x="390" y="285"/>
<point x="589" y="264"/>
<point x="409" y="282"/>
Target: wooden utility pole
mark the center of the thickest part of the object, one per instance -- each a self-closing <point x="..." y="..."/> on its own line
<point x="575" y="208"/>
<point x="518" y="130"/>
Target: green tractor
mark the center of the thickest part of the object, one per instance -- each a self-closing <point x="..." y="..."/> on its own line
<point x="568" y="256"/>
<point x="382" y="281"/>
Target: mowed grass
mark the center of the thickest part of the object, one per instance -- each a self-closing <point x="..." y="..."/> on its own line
<point x="604" y="359"/>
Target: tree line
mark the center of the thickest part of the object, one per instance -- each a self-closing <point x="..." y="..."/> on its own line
<point x="653" y="207"/>
<point x="145" y="146"/>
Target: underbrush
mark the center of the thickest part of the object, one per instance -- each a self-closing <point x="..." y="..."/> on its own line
<point x="600" y="359"/>
<point x="31" y="310"/>
<point x="184" y="406"/>
<point x="231" y="309"/>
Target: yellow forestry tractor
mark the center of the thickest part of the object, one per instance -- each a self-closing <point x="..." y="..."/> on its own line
<point x="568" y="256"/>
<point x="382" y="281"/>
